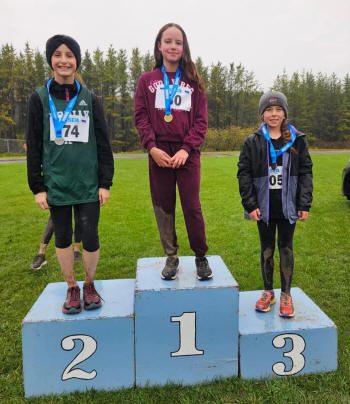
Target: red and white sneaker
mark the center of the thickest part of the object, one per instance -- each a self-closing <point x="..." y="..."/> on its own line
<point x="92" y="300"/>
<point x="286" y="306"/>
<point x="72" y="303"/>
<point x="266" y="300"/>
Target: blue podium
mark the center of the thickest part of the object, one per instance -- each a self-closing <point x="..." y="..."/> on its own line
<point x="153" y="332"/>
<point x="271" y="346"/>
<point x="186" y="331"/>
<point x="93" y="349"/>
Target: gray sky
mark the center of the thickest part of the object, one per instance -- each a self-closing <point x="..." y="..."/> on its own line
<point x="265" y="36"/>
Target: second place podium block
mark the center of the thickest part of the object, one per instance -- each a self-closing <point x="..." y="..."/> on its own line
<point x="186" y="331"/>
<point x="93" y="349"/>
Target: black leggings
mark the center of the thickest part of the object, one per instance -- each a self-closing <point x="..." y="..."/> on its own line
<point x="49" y="229"/>
<point x="86" y="216"/>
<point x="267" y="235"/>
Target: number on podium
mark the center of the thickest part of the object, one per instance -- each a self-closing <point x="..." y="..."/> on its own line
<point x="187" y="335"/>
<point x="89" y="347"/>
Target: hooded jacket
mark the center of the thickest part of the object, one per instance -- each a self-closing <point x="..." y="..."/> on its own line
<point x="297" y="186"/>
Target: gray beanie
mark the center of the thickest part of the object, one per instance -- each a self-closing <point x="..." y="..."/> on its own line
<point x="273" y="98"/>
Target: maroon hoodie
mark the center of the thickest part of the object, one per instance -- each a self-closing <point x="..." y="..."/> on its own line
<point x="189" y="110"/>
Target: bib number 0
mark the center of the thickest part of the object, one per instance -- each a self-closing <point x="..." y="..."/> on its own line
<point x="182" y="100"/>
<point x="187" y="335"/>
<point x="295" y="354"/>
<point x="89" y="347"/>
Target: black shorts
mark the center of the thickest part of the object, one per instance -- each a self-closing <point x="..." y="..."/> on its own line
<point x="86" y="216"/>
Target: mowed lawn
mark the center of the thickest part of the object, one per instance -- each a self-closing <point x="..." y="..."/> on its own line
<point x="128" y="232"/>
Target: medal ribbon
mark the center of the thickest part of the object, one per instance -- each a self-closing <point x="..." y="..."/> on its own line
<point x="273" y="153"/>
<point x="57" y="122"/>
<point x="169" y="96"/>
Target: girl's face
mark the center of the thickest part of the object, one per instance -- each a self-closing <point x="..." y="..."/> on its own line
<point x="273" y="116"/>
<point x="171" y="45"/>
<point x="64" y="64"/>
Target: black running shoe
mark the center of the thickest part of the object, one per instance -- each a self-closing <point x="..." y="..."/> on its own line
<point x="38" y="262"/>
<point x="170" y="269"/>
<point x="203" y="269"/>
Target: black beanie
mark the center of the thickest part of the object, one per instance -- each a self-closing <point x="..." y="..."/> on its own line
<point x="54" y="42"/>
<point x="273" y="98"/>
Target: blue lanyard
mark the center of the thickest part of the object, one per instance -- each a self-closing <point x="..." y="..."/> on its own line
<point x="57" y="122"/>
<point x="273" y="153"/>
<point x="169" y="96"/>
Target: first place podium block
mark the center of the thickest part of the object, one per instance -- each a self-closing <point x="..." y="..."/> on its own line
<point x="271" y="346"/>
<point x="186" y="330"/>
<point x="93" y="349"/>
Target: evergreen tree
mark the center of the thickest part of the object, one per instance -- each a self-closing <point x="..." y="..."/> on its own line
<point x="147" y="62"/>
<point x="7" y="91"/>
<point x="110" y="85"/>
<point x="343" y="128"/>
<point x="203" y="71"/>
<point x="216" y="96"/>
<point x="135" y="68"/>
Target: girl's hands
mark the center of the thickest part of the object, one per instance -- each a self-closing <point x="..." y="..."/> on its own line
<point x="161" y="158"/>
<point x="41" y="200"/>
<point x="179" y="158"/>
<point x="255" y="214"/>
<point x="303" y="215"/>
<point x="103" y="196"/>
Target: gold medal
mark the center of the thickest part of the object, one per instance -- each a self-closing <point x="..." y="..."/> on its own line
<point x="168" y="118"/>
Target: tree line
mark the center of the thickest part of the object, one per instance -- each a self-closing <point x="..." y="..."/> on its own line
<point x="319" y="104"/>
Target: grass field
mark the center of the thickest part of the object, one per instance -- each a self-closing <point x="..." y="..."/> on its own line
<point x="128" y="232"/>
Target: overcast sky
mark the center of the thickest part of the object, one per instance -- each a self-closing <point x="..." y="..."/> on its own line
<point x="265" y="36"/>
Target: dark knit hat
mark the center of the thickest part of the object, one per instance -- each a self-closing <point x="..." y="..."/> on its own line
<point x="54" y="42"/>
<point x="273" y="98"/>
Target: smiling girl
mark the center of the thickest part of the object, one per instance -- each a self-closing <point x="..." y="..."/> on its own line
<point x="171" y="118"/>
<point x="275" y="183"/>
<point x="69" y="164"/>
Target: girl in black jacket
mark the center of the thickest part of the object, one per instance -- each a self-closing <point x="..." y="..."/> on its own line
<point x="275" y="183"/>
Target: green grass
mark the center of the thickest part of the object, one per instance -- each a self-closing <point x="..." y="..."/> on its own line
<point x="128" y="232"/>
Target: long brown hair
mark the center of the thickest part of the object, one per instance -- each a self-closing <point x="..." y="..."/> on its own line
<point x="286" y="134"/>
<point x="186" y="63"/>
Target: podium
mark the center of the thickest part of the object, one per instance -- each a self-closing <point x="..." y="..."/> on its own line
<point x="93" y="349"/>
<point x="186" y="330"/>
<point x="151" y="331"/>
<point x="271" y="346"/>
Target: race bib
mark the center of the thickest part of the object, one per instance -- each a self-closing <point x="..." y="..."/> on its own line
<point x="76" y="128"/>
<point x="182" y="99"/>
<point x="275" y="178"/>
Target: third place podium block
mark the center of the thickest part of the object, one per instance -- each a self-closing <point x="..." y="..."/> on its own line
<point x="271" y="346"/>
<point x="186" y="330"/>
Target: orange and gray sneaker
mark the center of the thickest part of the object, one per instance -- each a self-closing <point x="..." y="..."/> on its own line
<point x="266" y="300"/>
<point x="286" y="306"/>
<point x="92" y="300"/>
<point x="72" y="303"/>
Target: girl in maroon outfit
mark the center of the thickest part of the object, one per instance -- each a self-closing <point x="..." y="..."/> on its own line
<point x="171" y="118"/>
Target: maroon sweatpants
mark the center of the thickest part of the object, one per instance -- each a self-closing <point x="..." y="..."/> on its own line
<point x="163" y="191"/>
